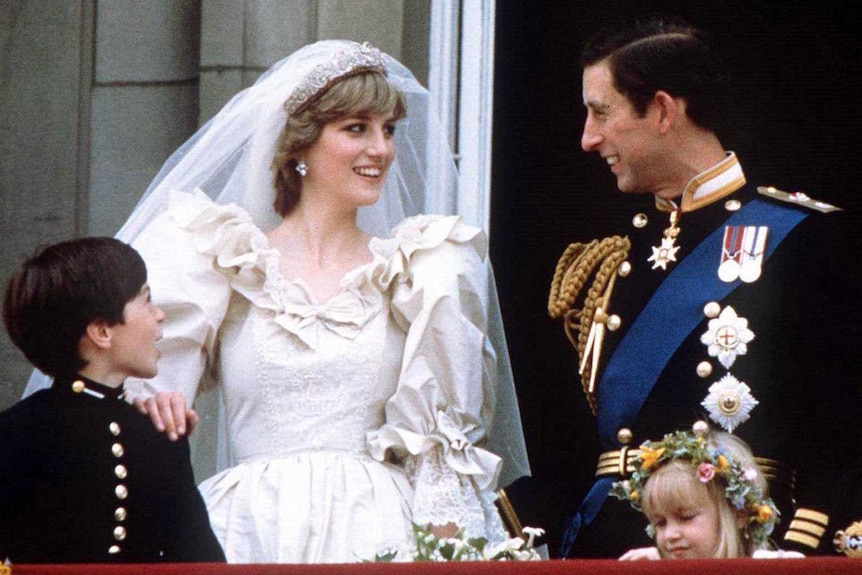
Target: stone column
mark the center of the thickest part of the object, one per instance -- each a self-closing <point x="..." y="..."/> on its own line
<point x="241" y="39"/>
<point x="44" y="81"/>
<point x="144" y="100"/>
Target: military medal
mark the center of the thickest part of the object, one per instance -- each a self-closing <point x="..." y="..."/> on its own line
<point x="727" y="337"/>
<point x="731" y="254"/>
<point x="729" y="402"/>
<point x="666" y="253"/>
<point x="742" y="253"/>
<point x="754" y="244"/>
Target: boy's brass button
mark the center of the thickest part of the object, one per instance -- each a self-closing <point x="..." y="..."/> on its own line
<point x="78" y="386"/>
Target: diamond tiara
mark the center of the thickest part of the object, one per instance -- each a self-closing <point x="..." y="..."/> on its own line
<point x="355" y="59"/>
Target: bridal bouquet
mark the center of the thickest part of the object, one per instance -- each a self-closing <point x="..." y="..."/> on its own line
<point x="428" y="547"/>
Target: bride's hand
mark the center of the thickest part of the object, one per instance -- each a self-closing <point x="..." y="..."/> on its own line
<point x="167" y="411"/>
<point x="443" y="531"/>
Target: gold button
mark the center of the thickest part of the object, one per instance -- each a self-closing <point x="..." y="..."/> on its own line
<point x="78" y="386"/>
<point x="640" y="220"/>
<point x="119" y="532"/>
<point x="121" y="491"/>
<point x="121" y="472"/>
<point x="117" y="449"/>
<point x="732" y="205"/>
<point x="114" y="549"/>
<point x="624" y="269"/>
<point x="712" y="309"/>
<point x="700" y="428"/>
<point x="625" y="435"/>
<point x="120" y="514"/>
<point x="115" y="428"/>
<point x="704" y="369"/>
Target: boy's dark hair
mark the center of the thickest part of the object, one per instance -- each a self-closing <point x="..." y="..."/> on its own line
<point x="56" y="293"/>
<point x="668" y="55"/>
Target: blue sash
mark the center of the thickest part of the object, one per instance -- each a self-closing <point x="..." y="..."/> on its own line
<point x="657" y="333"/>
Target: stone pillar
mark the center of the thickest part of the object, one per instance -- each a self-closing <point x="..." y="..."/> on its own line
<point x="144" y="100"/>
<point x="241" y="39"/>
<point x="44" y="81"/>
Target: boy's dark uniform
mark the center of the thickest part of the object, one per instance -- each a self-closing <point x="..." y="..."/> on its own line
<point x="85" y="478"/>
<point x="800" y="366"/>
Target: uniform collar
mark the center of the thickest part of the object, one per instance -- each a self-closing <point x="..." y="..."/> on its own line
<point x="78" y="385"/>
<point x="711" y="185"/>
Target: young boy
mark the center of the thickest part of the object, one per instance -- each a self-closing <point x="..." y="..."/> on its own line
<point x="84" y="477"/>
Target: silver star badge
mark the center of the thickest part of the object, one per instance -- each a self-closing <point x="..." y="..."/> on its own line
<point x="664" y="254"/>
<point x="727" y="337"/>
<point x="729" y="402"/>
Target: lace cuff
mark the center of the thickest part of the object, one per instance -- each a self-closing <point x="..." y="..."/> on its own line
<point x="443" y="496"/>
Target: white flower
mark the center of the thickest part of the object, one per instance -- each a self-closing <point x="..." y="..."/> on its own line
<point x="729" y="402"/>
<point x="532" y="533"/>
<point x="727" y="336"/>
<point x="749" y="475"/>
<point x="492" y="551"/>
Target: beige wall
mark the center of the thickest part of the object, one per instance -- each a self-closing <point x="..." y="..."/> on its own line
<point x="97" y="94"/>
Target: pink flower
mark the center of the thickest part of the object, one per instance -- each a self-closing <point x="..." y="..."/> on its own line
<point x="705" y="472"/>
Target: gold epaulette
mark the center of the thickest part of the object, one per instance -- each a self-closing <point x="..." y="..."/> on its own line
<point x="797" y="198"/>
<point x="849" y="541"/>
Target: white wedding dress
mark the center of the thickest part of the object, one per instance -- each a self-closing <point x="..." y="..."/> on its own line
<point x="346" y="419"/>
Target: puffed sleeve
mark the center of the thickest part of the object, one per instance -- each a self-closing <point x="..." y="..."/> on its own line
<point x="184" y="283"/>
<point x="437" y="419"/>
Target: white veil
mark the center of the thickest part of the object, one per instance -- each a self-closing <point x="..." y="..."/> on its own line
<point x="230" y="157"/>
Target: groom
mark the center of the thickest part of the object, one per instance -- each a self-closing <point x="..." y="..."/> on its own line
<point x="730" y="307"/>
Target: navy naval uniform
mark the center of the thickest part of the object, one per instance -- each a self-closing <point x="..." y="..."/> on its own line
<point x="801" y="410"/>
<point x="85" y="478"/>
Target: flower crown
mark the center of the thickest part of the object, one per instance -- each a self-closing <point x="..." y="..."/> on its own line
<point x="354" y="59"/>
<point x="710" y="463"/>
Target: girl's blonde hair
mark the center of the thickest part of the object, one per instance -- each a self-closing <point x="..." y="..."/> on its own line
<point x="675" y="484"/>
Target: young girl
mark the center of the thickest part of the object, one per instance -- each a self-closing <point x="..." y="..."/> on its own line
<point x="704" y="496"/>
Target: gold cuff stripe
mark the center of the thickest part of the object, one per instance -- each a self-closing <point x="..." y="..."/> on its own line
<point x="613" y="470"/>
<point x="611" y="462"/>
<point x="615" y="455"/>
<point x="806" y="540"/>
<point x="807" y="527"/>
<point x="813" y="516"/>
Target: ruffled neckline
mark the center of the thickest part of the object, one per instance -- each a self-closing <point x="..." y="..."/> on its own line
<point x="242" y="253"/>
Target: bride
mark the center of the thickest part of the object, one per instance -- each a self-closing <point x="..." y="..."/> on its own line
<point x="363" y="373"/>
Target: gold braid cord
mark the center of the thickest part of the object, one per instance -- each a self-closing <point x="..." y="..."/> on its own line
<point x="596" y="262"/>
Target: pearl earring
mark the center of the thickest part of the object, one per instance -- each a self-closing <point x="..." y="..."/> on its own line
<point x="302" y="168"/>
